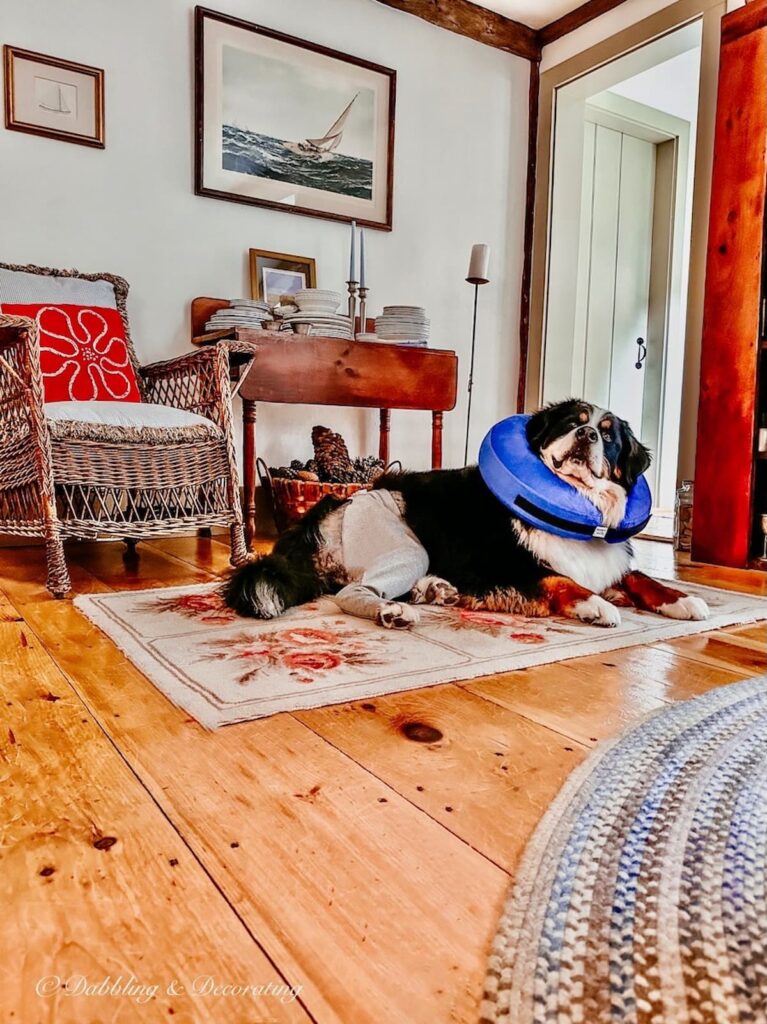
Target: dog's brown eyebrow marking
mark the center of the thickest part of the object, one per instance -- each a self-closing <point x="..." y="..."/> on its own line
<point x="606" y="424"/>
<point x="583" y="416"/>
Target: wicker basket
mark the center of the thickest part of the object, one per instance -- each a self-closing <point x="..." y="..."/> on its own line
<point x="292" y="498"/>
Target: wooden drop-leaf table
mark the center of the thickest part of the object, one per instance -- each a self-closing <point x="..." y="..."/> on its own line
<point x="328" y="371"/>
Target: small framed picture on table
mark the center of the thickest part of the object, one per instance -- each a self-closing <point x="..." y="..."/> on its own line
<point x="53" y="97"/>
<point x="276" y="275"/>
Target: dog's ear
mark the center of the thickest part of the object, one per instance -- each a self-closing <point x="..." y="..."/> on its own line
<point x="634" y="458"/>
<point x="539" y="427"/>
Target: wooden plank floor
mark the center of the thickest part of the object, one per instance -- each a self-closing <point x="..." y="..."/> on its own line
<point x="354" y="865"/>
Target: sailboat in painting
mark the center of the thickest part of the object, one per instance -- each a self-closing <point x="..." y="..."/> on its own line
<point x="316" y="163"/>
<point x="62" y="108"/>
<point x="324" y="147"/>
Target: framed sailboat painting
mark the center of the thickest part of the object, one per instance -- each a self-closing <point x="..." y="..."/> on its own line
<point x="291" y="125"/>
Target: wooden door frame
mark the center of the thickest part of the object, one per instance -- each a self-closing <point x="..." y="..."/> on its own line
<point x="665" y="21"/>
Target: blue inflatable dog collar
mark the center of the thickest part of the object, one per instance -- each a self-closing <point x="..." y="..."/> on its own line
<point x="519" y="479"/>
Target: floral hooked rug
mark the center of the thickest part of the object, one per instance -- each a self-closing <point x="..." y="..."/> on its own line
<point x="222" y="669"/>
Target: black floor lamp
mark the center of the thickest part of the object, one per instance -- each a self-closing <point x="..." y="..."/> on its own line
<point x="478" y="266"/>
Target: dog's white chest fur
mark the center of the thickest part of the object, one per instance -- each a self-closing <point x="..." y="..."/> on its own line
<point x="594" y="564"/>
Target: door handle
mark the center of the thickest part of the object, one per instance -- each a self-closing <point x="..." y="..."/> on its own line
<point x="641" y="353"/>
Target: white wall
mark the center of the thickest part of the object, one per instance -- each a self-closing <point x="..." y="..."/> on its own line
<point x="461" y="137"/>
<point x="671" y="86"/>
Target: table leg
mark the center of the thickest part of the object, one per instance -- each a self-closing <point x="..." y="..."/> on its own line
<point x="249" y="469"/>
<point x="436" y="440"/>
<point x="383" y="436"/>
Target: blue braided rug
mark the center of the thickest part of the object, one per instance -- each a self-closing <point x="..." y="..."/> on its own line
<point x="641" y="897"/>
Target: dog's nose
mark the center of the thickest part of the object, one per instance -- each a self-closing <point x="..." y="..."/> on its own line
<point x="586" y="434"/>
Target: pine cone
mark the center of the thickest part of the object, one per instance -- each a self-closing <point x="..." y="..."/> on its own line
<point x="367" y="468"/>
<point x="283" y="473"/>
<point x="332" y="456"/>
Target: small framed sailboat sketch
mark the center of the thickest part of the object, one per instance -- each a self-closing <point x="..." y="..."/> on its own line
<point x="54" y="97"/>
<point x="291" y="125"/>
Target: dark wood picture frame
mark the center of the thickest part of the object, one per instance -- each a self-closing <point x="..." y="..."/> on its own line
<point x="13" y="53"/>
<point x="306" y="263"/>
<point x="203" y="13"/>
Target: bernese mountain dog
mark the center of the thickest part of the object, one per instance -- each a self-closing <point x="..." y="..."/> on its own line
<point x="442" y="537"/>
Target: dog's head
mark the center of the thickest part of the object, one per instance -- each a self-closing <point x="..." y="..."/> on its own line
<point x="585" y="445"/>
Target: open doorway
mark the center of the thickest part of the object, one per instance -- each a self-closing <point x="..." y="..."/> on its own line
<point x="619" y="244"/>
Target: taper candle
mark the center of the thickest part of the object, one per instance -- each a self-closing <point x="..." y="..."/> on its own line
<point x="353" y="254"/>
<point x="362" y="257"/>
<point x="479" y="264"/>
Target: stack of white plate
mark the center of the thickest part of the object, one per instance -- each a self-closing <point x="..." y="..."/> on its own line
<point x="324" y="325"/>
<point x="403" y="324"/>
<point x="317" y="308"/>
<point x="317" y="300"/>
<point x="240" y="313"/>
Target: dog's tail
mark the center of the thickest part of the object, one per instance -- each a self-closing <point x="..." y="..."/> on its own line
<point x="267" y="587"/>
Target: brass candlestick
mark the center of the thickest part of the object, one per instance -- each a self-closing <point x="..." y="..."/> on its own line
<point x="363" y="310"/>
<point x="352" y="286"/>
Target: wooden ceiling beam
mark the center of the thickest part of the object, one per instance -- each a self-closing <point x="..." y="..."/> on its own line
<point x="468" y="19"/>
<point x="574" y="19"/>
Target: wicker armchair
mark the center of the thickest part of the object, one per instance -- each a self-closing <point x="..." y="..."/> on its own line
<point x="86" y="480"/>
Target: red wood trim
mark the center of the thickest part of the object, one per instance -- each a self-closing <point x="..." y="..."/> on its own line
<point x="527" y="262"/>
<point x="574" y="19"/>
<point x="724" y="471"/>
<point x="744" y="20"/>
<point x="478" y="23"/>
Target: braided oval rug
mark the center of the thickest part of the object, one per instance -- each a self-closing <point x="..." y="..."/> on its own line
<point x="641" y="896"/>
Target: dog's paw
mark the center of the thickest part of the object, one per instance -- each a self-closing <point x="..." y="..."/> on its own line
<point x="689" y="607"/>
<point x="433" y="590"/>
<point x="597" y="612"/>
<point x="394" y="615"/>
<point x="618" y="597"/>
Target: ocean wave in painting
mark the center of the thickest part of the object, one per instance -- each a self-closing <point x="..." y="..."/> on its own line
<point x="265" y="157"/>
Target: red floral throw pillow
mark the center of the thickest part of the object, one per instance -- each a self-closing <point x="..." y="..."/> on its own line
<point x="84" y="355"/>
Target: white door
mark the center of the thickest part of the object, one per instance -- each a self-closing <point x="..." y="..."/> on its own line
<point x="610" y="351"/>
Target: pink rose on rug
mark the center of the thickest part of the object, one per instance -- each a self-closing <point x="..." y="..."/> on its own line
<point x="313" y="661"/>
<point x="482" y="618"/>
<point x="310" y="636"/>
<point x="307" y="654"/>
<point x="253" y="652"/>
<point x="495" y="624"/>
<point x="207" y="606"/>
<point x="528" y="638"/>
